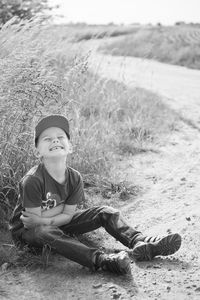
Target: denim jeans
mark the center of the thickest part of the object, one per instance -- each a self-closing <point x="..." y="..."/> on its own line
<point x="60" y="238"/>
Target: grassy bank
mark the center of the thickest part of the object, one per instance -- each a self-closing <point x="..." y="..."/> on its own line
<point x="178" y="45"/>
<point x="43" y="72"/>
<point x="86" y="32"/>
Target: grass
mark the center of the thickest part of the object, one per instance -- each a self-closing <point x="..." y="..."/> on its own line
<point x="178" y="45"/>
<point x="81" y="32"/>
<point x="44" y="72"/>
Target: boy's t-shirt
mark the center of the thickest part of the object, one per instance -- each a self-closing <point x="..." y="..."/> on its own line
<point x="38" y="189"/>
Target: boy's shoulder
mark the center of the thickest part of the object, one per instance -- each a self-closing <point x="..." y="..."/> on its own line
<point x="34" y="174"/>
<point x="73" y="171"/>
<point x="73" y="174"/>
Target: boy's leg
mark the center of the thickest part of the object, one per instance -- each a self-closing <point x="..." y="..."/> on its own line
<point x="144" y="248"/>
<point x="74" y="250"/>
<point x="102" y="216"/>
<point x="61" y="243"/>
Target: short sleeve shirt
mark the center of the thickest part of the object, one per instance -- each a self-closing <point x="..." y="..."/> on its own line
<point x="39" y="189"/>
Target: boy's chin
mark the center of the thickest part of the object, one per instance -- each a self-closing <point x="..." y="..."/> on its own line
<point x="56" y="155"/>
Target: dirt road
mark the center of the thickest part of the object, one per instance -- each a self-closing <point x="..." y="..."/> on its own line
<point x="170" y="203"/>
<point x="171" y="177"/>
<point x="180" y="86"/>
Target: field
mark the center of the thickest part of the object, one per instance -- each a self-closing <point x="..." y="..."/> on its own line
<point x="178" y="45"/>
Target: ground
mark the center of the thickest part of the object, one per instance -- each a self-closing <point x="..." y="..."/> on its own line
<point x="168" y="202"/>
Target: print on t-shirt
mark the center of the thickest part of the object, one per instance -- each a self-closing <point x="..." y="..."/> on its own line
<point x="52" y="200"/>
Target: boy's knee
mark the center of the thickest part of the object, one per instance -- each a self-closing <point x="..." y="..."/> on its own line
<point x="109" y="210"/>
<point x="41" y="234"/>
<point x="108" y="213"/>
<point x="43" y="231"/>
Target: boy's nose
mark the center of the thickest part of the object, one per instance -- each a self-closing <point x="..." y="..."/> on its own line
<point x="55" y="140"/>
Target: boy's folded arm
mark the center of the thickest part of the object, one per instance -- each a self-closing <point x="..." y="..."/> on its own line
<point x="34" y="210"/>
<point x="33" y="216"/>
<point x="53" y="211"/>
<point x="65" y="217"/>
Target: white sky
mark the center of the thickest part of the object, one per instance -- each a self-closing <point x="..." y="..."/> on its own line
<point x="129" y="11"/>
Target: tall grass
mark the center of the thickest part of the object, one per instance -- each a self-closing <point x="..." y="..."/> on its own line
<point x="42" y="72"/>
<point x="37" y="78"/>
<point x="88" y="32"/>
<point x="178" y="45"/>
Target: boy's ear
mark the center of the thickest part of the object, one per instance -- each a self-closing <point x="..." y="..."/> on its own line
<point x="70" y="147"/>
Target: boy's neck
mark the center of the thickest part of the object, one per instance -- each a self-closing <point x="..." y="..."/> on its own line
<point x="56" y="168"/>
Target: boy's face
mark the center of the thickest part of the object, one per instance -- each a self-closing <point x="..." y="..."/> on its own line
<point x="53" y="142"/>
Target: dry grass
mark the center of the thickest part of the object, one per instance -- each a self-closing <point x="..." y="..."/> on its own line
<point x="80" y="32"/>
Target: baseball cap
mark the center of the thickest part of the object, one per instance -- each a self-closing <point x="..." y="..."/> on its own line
<point x="51" y="121"/>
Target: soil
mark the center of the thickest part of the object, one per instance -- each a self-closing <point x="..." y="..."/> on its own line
<point x="169" y="202"/>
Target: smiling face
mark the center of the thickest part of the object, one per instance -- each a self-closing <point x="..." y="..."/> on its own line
<point x="53" y="142"/>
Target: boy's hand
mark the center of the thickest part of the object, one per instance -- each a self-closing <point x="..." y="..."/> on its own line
<point x="30" y="220"/>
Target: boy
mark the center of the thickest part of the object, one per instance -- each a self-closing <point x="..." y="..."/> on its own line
<point x="46" y="210"/>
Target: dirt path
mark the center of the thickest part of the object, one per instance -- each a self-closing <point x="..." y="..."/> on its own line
<point x="170" y="203"/>
<point x="180" y="86"/>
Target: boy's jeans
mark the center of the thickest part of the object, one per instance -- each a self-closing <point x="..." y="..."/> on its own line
<point x="60" y="238"/>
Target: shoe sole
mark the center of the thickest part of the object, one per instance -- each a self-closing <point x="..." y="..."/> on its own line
<point x="166" y="246"/>
<point x="124" y="263"/>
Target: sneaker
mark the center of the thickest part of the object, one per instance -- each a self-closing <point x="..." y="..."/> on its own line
<point x="116" y="263"/>
<point x="156" y="246"/>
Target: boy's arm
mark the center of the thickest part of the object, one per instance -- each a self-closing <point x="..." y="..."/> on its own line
<point x="32" y="217"/>
<point x="62" y="218"/>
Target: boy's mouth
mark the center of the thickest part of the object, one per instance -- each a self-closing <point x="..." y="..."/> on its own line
<point x="56" y="148"/>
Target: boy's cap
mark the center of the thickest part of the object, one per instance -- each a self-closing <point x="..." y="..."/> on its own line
<point x="51" y="121"/>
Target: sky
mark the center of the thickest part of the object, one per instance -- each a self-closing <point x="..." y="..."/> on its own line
<point x="166" y="12"/>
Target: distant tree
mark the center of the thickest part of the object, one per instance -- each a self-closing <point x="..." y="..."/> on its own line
<point x="111" y="24"/>
<point x="179" y="23"/>
<point x="24" y="9"/>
